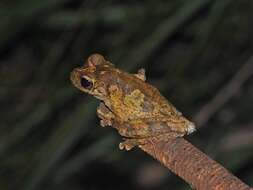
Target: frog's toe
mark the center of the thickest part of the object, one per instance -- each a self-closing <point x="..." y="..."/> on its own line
<point x="105" y="123"/>
<point x="128" y="144"/>
<point x="124" y="145"/>
<point x="190" y="128"/>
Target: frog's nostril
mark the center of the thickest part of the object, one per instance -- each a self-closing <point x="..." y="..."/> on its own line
<point x="86" y="83"/>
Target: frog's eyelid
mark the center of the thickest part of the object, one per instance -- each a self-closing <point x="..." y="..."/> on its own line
<point x="95" y="59"/>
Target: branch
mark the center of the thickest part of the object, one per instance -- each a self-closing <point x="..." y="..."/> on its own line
<point x="195" y="167"/>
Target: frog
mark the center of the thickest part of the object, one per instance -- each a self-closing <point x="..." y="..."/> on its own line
<point x="128" y="103"/>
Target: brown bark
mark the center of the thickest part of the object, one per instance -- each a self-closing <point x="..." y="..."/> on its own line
<point x="195" y="167"/>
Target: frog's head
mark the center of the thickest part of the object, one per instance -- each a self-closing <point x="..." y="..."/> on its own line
<point x="91" y="78"/>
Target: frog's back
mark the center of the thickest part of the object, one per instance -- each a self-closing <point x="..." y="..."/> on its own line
<point x="152" y="96"/>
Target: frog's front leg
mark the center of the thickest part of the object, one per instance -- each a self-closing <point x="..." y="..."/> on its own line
<point x="139" y="132"/>
<point x="105" y="115"/>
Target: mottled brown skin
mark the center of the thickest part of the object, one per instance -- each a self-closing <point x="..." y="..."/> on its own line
<point x="135" y="108"/>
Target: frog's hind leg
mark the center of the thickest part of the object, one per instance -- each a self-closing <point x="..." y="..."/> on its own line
<point x="139" y="132"/>
<point x="144" y="129"/>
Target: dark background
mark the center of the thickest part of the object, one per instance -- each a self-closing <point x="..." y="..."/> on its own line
<point x="198" y="53"/>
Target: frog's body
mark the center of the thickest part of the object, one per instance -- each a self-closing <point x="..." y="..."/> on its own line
<point x="134" y="107"/>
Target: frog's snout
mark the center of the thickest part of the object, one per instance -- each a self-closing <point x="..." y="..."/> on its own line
<point x="75" y="77"/>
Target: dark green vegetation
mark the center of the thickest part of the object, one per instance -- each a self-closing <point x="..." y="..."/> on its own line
<point x="50" y="136"/>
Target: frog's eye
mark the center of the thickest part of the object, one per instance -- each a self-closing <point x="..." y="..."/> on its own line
<point x="86" y="84"/>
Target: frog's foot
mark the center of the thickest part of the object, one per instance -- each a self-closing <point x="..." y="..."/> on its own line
<point x="128" y="144"/>
<point x="105" y="115"/>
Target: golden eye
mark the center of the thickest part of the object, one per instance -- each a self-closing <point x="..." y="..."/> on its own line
<point x="86" y="84"/>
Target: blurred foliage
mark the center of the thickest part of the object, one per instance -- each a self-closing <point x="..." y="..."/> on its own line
<point x="50" y="136"/>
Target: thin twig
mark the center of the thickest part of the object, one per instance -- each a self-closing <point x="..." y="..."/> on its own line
<point x="195" y="167"/>
<point x="225" y="93"/>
